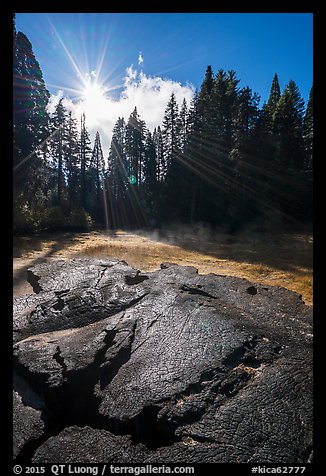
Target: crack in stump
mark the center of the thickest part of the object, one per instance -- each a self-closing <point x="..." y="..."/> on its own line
<point x="33" y="280"/>
<point x="196" y="290"/>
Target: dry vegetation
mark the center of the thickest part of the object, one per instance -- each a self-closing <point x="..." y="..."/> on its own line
<point x="272" y="259"/>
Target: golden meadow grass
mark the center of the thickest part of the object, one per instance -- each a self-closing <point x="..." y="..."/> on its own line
<point x="279" y="260"/>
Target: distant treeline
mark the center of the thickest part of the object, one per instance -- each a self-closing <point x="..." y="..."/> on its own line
<point x="220" y="159"/>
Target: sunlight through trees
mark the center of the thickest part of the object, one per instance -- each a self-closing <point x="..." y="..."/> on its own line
<point x="220" y="159"/>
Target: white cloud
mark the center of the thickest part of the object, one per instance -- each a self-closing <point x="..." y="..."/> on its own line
<point x="140" y="59"/>
<point x="131" y="75"/>
<point x="150" y="94"/>
<point x="54" y="99"/>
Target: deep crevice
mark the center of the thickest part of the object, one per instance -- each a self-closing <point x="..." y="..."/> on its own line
<point x="237" y="356"/>
<point x="133" y="302"/>
<point x="137" y="279"/>
<point x="61" y="361"/>
<point x="196" y="290"/>
<point x="108" y="370"/>
<point x="233" y="386"/>
<point x="27" y="452"/>
<point x="59" y="305"/>
<point x="34" y="281"/>
<point x="252" y="362"/>
<point x="146" y="428"/>
<point x="74" y="402"/>
<point x="124" y="306"/>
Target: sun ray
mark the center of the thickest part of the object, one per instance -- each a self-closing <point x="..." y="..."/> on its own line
<point x="205" y="168"/>
<point x="65" y="88"/>
<point x="113" y="69"/>
<point x="71" y="59"/>
<point x="36" y="149"/>
<point x="103" y="54"/>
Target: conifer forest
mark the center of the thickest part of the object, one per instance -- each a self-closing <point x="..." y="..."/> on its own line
<point x="221" y="159"/>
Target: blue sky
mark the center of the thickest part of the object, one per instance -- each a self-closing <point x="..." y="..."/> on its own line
<point x="151" y="51"/>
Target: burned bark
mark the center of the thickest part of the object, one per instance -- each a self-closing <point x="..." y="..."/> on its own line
<point x="170" y="366"/>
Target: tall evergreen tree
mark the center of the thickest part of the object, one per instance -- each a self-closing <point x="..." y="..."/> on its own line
<point x="216" y="136"/>
<point x="170" y="132"/>
<point x="274" y="97"/>
<point x="117" y="159"/>
<point x="151" y="178"/>
<point x="206" y="86"/>
<point x="232" y="105"/>
<point x="117" y="173"/>
<point x="308" y="132"/>
<point x="175" y="183"/>
<point x="288" y="125"/>
<point x="205" y="96"/>
<point x="244" y="199"/>
<point x="193" y="157"/>
<point x="183" y="125"/>
<point x="85" y="152"/>
<point x="220" y="111"/>
<point x="58" y="140"/>
<point x="30" y="119"/>
<point x="72" y="159"/>
<point x="150" y="165"/>
<point x="97" y="164"/>
<point x="159" y="148"/>
<point x="193" y="114"/>
<point x="135" y="138"/>
<point x="246" y="116"/>
<point x="14" y="34"/>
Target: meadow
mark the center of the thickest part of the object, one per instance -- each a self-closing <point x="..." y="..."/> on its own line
<point x="278" y="259"/>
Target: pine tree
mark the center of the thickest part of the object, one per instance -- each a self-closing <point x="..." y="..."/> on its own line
<point x="58" y="142"/>
<point x="30" y="119"/>
<point x="205" y="98"/>
<point x="135" y="138"/>
<point x="170" y="133"/>
<point x="192" y="157"/>
<point x="232" y="104"/>
<point x="151" y="182"/>
<point x="174" y="191"/>
<point x="274" y="97"/>
<point x="150" y="163"/>
<point x="14" y="35"/>
<point x="85" y="152"/>
<point x="242" y="154"/>
<point x="97" y="163"/>
<point x="288" y="125"/>
<point x="159" y="148"/>
<point x="193" y="114"/>
<point x="219" y="107"/>
<point x="183" y="125"/>
<point x="117" y="159"/>
<point x="117" y="173"/>
<point x="206" y="86"/>
<point x="216" y="138"/>
<point x="247" y="113"/>
<point x="308" y="132"/>
<point x="72" y="159"/>
<point x="269" y="135"/>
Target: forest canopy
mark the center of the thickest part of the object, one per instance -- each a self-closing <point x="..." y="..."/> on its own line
<point x="220" y="159"/>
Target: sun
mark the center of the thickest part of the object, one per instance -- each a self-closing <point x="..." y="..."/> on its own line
<point x="93" y="92"/>
<point x="93" y="99"/>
